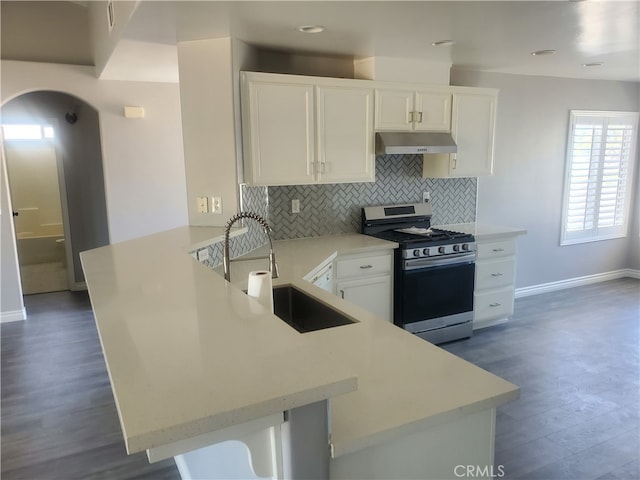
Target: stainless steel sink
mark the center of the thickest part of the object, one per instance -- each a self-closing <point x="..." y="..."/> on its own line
<point x="303" y="312"/>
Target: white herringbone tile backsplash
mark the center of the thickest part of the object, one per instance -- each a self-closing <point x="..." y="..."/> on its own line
<point x="335" y="208"/>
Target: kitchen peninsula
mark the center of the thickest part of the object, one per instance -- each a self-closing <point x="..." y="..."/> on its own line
<point x="190" y="356"/>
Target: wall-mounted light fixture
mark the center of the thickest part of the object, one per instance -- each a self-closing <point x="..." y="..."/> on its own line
<point x="133" y="112"/>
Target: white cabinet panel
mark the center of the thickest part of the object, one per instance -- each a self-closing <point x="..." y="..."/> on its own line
<point x="410" y="110"/>
<point x="495" y="273"/>
<point x="500" y="248"/>
<point x="433" y="111"/>
<point x="494" y="290"/>
<point x="472" y="127"/>
<point x="279" y="133"/>
<point x="366" y="280"/>
<point x="493" y="304"/>
<point x="358" y="266"/>
<point x="393" y="109"/>
<point x="345" y="134"/>
<point x="370" y="293"/>
<point x="303" y="130"/>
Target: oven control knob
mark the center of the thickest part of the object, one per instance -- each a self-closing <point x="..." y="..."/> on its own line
<point x="416" y="252"/>
<point x="425" y="252"/>
<point x="465" y="246"/>
<point x="441" y="249"/>
<point x="456" y="248"/>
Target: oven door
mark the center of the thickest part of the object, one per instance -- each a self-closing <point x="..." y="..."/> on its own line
<point x="436" y="296"/>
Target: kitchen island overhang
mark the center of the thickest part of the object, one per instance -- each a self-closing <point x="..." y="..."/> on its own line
<point x="187" y="354"/>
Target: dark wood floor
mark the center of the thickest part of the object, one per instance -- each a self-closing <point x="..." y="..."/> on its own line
<point x="59" y="420"/>
<point x="574" y="353"/>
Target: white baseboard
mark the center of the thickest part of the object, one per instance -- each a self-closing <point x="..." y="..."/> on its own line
<point x="77" y="286"/>
<point x="576" y="282"/>
<point x="13" y="316"/>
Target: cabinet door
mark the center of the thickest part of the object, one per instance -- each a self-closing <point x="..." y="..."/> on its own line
<point x="393" y="109"/>
<point x="279" y="133"/>
<point x="345" y="134"/>
<point x="433" y="111"/>
<point x="371" y="293"/>
<point x="472" y="127"/>
<point x="493" y="304"/>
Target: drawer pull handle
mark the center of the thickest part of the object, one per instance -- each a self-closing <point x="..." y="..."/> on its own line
<point x="342" y="293"/>
<point x="365" y="267"/>
<point x="498" y="249"/>
<point x="496" y="274"/>
<point x="496" y="304"/>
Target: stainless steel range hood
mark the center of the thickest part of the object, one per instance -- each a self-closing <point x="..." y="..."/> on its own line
<point x="414" y="142"/>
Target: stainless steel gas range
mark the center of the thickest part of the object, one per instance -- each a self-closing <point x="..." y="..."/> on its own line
<point x="434" y="271"/>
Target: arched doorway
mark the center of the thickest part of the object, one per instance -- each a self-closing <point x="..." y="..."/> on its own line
<point x="65" y="161"/>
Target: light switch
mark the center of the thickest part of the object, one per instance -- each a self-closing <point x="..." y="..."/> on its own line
<point x="295" y="206"/>
<point x="216" y="205"/>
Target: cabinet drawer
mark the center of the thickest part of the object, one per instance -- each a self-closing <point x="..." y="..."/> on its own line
<point x="495" y="273"/>
<point x="502" y="248"/>
<point x="493" y="304"/>
<point x="359" y="266"/>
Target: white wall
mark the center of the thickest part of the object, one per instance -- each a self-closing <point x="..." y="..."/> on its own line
<point x="28" y="32"/>
<point x="103" y="41"/>
<point x="209" y="94"/>
<point x="142" y="158"/>
<point x="527" y="187"/>
<point x="11" y="305"/>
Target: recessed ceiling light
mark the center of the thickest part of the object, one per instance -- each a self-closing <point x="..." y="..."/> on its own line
<point x="443" y="43"/>
<point x="592" y="64"/>
<point x="311" y="28"/>
<point x="538" y="53"/>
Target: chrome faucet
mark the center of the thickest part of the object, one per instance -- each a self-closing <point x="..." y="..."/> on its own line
<point x="273" y="267"/>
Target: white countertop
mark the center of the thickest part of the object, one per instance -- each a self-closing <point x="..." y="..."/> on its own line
<point x="483" y="231"/>
<point x="189" y="353"/>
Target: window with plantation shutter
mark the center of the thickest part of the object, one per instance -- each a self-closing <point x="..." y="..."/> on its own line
<point x="598" y="181"/>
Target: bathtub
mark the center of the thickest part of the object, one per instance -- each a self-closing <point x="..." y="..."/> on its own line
<point x="47" y="248"/>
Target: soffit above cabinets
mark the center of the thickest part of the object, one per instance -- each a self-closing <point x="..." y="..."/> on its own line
<point x="487" y="36"/>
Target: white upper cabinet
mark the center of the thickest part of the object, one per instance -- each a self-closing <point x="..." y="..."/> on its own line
<point x="303" y="130"/>
<point x="412" y="110"/>
<point x="473" y="117"/>
<point x="345" y="134"/>
<point x="278" y="118"/>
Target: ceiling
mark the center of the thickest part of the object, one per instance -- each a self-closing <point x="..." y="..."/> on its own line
<point x="490" y="36"/>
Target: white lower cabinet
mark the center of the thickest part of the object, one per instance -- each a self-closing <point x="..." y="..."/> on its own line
<point x="494" y="281"/>
<point x="366" y="281"/>
<point x="370" y="293"/>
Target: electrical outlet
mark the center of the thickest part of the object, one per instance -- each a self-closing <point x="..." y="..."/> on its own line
<point x="203" y="255"/>
<point x="295" y="206"/>
<point x="216" y="205"/>
<point x="202" y="204"/>
<point x="426" y="197"/>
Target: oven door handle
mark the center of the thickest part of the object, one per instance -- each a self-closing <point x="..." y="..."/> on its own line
<point x="439" y="262"/>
